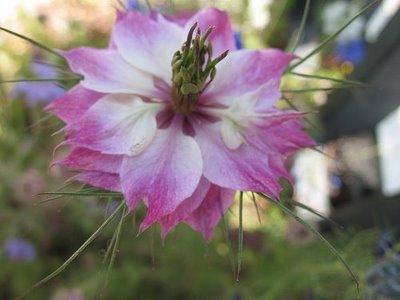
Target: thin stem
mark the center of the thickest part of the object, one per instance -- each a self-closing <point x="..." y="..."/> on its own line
<point x="33" y="42"/>
<point x="315" y="212"/>
<point x="313" y="76"/>
<point x="256" y="206"/>
<point x="76" y="253"/>
<point x="117" y="239"/>
<point x="302" y="25"/>
<point x="321" y="89"/>
<point x="240" y="237"/>
<point x="320" y="236"/>
<point x="331" y="37"/>
<point x="40" y="80"/>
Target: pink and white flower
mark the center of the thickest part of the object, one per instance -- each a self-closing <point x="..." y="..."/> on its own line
<point x="168" y="117"/>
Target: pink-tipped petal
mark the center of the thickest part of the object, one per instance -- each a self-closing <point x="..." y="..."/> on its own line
<point x="106" y="181"/>
<point x="170" y="221"/>
<point x="206" y="217"/>
<point x="246" y="168"/>
<point x="164" y="175"/>
<point x="244" y="71"/>
<point x="105" y="71"/>
<point x="222" y="36"/>
<point x="147" y="43"/>
<point x="116" y="124"/>
<point x="73" y="104"/>
<point x="89" y="160"/>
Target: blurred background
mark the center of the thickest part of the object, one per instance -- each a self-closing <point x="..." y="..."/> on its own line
<point x="356" y="182"/>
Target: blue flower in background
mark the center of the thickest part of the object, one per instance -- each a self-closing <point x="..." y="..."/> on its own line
<point x="238" y="40"/>
<point x="18" y="249"/>
<point x="132" y="5"/>
<point x="353" y="51"/>
<point x="36" y="93"/>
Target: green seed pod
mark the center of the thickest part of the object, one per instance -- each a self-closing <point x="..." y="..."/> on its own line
<point x="189" y="88"/>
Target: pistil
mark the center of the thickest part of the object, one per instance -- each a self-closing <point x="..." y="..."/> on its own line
<point x="193" y="69"/>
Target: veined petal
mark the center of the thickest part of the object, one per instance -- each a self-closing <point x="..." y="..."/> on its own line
<point x="89" y="160"/>
<point x="105" y="71"/>
<point x="207" y="215"/>
<point x="73" y="104"/>
<point x="185" y="208"/>
<point x="116" y="124"/>
<point x="244" y="71"/>
<point x="148" y="44"/>
<point x="164" y="175"/>
<point x="222" y="37"/>
<point x="246" y="168"/>
<point x="106" y="181"/>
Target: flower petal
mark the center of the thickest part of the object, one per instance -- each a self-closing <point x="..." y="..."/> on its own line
<point x="164" y="175"/>
<point x="222" y="37"/>
<point x="73" y="104"/>
<point x="148" y="44"/>
<point x="185" y="208"/>
<point x="246" y="168"/>
<point x="244" y="71"/>
<point x="105" y="71"/>
<point x="206" y="217"/>
<point x="116" y="124"/>
<point x="89" y="160"/>
<point x="106" y="181"/>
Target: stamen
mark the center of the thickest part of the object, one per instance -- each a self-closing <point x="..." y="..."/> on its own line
<point x="193" y="69"/>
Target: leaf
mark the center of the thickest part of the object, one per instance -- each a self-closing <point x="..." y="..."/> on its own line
<point x="339" y="80"/>
<point x="320" y="236"/>
<point x="31" y="41"/>
<point x="331" y="37"/>
<point x="302" y="25"/>
<point x="240" y="237"/>
<point x="76" y="253"/>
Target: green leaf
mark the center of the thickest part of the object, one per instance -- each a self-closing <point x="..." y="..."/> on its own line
<point x="240" y="237"/>
<point x="339" y="80"/>
<point x="31" y="41"/>
<point x="320" y="236"/>
<point x="76" y="253"/>
<point x="331" y="37"/>
<point x="302" y="25"/>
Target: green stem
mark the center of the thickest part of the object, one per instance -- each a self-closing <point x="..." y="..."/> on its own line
<point x="76" y="253"/>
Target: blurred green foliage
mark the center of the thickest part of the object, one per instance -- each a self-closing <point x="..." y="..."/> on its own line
<point x="184" y="266"/>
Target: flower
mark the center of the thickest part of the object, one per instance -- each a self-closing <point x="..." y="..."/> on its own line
<point x="18" y="249"/>
<point x="37" y="93"/>
<point x="167" y="116"/>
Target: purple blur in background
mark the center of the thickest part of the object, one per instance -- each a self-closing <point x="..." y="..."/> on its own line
<point x="38" y="93"/>
<point x="19" y="249"/>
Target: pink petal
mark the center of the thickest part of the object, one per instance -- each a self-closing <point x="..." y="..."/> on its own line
<point x="206" y="217"/>
<point x="148" y="44"/>
<point x="244" y="71"/>
<point x="105" y="71"/>
<point x="246" y="168"/>
<point x="100" y="180"/>
<point x="283" y="134"/>
<point x="116" y="124"/>
<point x="185" y="208"/>
<point x="73" y="104"/>
<point x="164" y="175"/>
<point x="222" y="36"/>
<point x="89" y="160"/>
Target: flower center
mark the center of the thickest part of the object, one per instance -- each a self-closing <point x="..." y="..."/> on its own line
<point x="193" y="69"/>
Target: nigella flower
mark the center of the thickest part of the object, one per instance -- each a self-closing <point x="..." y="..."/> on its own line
<point x="38" y="93"/>
<point x="18" y="249"/>
<point x="168" y="117"/>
